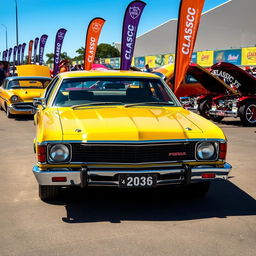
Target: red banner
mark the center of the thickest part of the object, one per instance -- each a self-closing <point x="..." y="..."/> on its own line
<point x="30" y="46"/>
<point x="188" y="23"/>
<point x="92" y="38"/>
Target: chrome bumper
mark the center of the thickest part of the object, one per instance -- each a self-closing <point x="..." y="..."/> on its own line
<point x="224" y="113"/>
<point x="22" y="108"/>
<point x="109" y="177"/>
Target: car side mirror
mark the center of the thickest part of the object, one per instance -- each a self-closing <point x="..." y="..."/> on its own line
<point x="39" y="102"/>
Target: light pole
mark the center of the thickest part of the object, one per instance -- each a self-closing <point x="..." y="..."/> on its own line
<point x="17" y="28"/>
<point x="5" y="35"/>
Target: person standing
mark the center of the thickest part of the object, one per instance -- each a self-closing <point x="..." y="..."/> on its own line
<point x="2" y="72"/>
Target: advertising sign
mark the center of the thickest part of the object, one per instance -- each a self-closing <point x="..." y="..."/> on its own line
<point x="231" y="56"/>
<point x="205" y="58"/>
<point x="249" y="56"/>
<point x="42" y="43"/>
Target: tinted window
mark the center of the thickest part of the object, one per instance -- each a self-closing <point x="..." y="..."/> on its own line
<point x="77" y="91"/>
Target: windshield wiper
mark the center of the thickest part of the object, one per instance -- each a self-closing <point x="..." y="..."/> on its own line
<point x="148" y="103"/>
<point x="96" y="104"/>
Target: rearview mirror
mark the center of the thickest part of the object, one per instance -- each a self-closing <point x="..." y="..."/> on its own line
<point x="39" y="102"/>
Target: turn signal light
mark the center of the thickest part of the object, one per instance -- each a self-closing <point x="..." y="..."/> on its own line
<point x="208" y="175"/>
<point x="41" y="153"/>
<point x="223" y="151"/>
<point x="59" y="179"/>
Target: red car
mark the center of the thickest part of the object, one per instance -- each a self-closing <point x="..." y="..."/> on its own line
<point x="243" y="103"/>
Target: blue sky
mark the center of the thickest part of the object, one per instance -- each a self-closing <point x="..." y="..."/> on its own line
<point x="37" y="17"/>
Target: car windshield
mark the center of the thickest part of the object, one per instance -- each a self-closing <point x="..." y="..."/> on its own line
<point x="28" y="84"/>
<point x="82" y="92"/>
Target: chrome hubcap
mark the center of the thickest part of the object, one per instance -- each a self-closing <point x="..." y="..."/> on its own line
<point x="251" y="113"/>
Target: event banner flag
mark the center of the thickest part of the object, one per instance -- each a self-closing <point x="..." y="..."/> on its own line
<point x="9" y="54"/>
<point x="30" y="46"/>
<point x="130" y="25"/>
<point x="42" y="43"/>
<point x="57" y="49"/>
<point x="19" y="52"/>
<point x="4" y="56"/>
<point x="92" y="38"/>
<point x="14" y="58"/>
<point x="22" y="53"/>
<point x="35" y="48"/>
<point x="188" y="23"/>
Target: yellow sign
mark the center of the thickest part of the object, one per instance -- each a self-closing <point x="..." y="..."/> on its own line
<point x="205" y="58"/>
<point x="169" y="59"/>
<point x="249" y="56"/>
<point x="150" y="60"/>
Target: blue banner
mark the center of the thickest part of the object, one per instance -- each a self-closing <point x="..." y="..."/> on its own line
<point x="230" y="56"/>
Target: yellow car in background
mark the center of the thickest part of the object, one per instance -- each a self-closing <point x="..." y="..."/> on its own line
<point x="122" y="129"/>
<point x="17" y="94"/>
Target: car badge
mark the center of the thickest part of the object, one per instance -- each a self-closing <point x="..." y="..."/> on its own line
<point x="177" y="154"/>
<point x="78" y="130"/>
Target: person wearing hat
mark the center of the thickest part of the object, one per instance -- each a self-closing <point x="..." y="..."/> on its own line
<point x="63" y="66"/>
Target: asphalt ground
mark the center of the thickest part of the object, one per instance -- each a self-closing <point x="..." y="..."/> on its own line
<point x="114" y="222"/>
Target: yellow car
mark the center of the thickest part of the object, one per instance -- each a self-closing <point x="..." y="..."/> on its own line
<point x="17" y="93"/>
<point x="123" y="129"/>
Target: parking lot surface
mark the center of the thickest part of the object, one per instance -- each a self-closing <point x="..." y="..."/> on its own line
<point x="113" y="222"/>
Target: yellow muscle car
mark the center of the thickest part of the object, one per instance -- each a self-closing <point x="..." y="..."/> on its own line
<point x="17" y="93"/>
<point x="123" y="129"/>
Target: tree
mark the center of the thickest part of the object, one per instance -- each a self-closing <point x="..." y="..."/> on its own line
<point x="107" y="51"/>
<point x="63" y="56"/>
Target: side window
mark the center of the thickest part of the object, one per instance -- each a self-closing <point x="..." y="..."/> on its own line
<point x="49" y="89"/>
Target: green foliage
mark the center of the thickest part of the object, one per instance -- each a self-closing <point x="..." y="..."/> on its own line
<point x="107" y="51"/>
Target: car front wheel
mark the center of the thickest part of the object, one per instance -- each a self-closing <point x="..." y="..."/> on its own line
<point x="48" y="192"/>
<point x="204" y="108"/>
<point x="247" y="113"/>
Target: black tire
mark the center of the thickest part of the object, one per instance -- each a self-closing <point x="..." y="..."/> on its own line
<point x="48" y="192"/>
<point x="199" y="189"/>
<point x="247" y="113"/>
<point x="204" y="108"/>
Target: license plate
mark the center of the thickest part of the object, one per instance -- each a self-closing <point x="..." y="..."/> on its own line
<point x="137" y="180"/>
<point x="220" y="113"/>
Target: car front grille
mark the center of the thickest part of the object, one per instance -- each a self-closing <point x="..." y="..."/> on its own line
<point x="133" y="153"/>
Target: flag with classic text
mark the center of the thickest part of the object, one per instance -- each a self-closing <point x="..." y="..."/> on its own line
<point x="188" y="23"/>
<point x="57" y="49"/>
<point x="91" y="42"/>
<point x="19" y="53"/>
<point x="35" y="48"/>
<point x="22" y="53"/>
<point x="42" y="43"/>
<point x="30" y="46"/>
<point x="130" y="25"/>
<point x="14" y="58"/>
<point x="9" y="54"/>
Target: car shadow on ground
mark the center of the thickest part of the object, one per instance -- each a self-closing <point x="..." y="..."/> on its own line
<point x="23" y="117"/>
<point x="166" y="204"/>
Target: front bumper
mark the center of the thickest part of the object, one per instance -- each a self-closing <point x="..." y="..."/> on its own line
<point x="109" y="177"/>
<point x="224" y="113"/>
<point x="22" y="108"/>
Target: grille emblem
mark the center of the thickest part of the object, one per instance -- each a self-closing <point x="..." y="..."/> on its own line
<point x="177" y="154"/>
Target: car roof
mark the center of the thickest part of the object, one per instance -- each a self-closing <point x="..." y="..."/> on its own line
<point x="108" y="73"/>
<point x="27" y="78"/>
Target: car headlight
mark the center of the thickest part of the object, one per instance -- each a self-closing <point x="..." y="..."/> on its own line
<point x="206" y="151"/>
<point x="14" y="98"/>
<point x="59" y="153"/>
